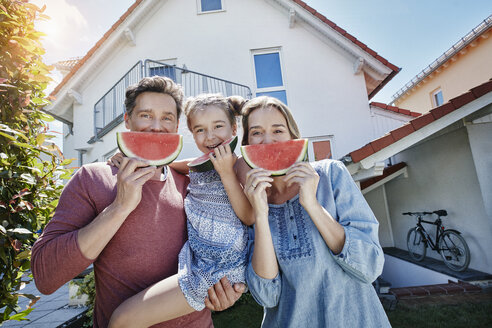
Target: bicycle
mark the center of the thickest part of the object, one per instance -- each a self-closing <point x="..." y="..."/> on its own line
<point x="448" y="242"/>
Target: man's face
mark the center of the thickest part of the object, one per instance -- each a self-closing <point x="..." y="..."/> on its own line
<point x="153" y="112"/>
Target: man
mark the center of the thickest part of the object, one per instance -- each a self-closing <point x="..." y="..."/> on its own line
<point x="129" y="222"/>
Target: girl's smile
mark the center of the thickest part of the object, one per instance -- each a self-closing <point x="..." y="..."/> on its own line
<point x="211" y="127"/>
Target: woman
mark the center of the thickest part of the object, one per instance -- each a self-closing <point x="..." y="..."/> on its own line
<point x="315" y="249"/>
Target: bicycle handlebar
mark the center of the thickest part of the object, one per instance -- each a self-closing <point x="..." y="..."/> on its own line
<point x="416" y="213"/>
<point x="438" y="213"/>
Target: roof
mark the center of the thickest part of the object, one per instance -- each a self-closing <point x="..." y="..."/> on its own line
<point x="394" y="69"/>
<point x="418" y="123"/>
<point x="88" y="55"/>
<point x="67" y="64"/>
<point x="479" y="30"/>
<point x="386" y="173"/>
<point x="347" y="35"/>
<point x="395" y="109"/>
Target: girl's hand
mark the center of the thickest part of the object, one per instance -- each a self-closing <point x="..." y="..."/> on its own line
<point x="307" y="178"/>
<point x="116" y="160"/>
<point x="223" y="160"/>
<point x="257" y="180"/>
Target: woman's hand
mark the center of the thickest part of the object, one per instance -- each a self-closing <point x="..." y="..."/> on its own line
<point x="223" y="160"/>
<point x="307" y="178"/>
<point x="116" y="160"/>
<point x="257" y="180"/>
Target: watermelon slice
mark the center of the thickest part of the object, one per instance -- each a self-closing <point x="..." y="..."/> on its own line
<point x="157" y="148"/>
<point x="203" y="163"/>
<point x="276" y="157"/>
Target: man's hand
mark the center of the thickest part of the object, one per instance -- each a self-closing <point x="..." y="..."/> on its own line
<point x="222" y="295"/>
<point x="132" y="175"/>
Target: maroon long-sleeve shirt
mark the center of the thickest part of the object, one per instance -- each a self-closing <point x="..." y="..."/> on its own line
<point x="143" y="251"/>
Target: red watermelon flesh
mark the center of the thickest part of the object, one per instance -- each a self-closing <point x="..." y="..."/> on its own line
<point x="157" y="148"/>
<point x="275" y="157"/>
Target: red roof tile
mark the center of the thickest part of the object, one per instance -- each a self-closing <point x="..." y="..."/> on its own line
<point x="362" y="153"/>
<point x="482" y="89"/>
<point x="383" y="142"/>
<point x="442" y="110"/>
<point x="395" y="109"/>
<point x="402" y="131"/>
<point x="404" y="111"/>
<point x="418" y="122"/>
<point x="392" y="108"/>
<point x="422" y="121"/>
<point x="462" y="100"/>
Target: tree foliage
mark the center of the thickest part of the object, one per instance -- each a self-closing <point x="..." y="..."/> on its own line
<point x="31" y="165"/>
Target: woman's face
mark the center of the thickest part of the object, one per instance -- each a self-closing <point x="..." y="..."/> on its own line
<point x="267" y="125"/>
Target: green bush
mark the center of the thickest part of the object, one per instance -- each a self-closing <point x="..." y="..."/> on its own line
<point x="88" y="286"/>
<point x="30" y="163"/>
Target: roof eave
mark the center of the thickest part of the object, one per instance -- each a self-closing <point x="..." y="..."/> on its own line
<point x="369" y="162"/>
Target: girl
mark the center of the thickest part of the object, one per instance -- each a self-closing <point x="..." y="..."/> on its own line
<point x="315" y="250"/>
<point x="217" y="211"/>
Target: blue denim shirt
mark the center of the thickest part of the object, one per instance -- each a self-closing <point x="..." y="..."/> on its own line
<point x="314" y="287"/>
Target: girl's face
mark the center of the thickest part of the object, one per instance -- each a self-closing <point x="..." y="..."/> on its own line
<point x="267" y="125"/>
<point x="211" y="127"/>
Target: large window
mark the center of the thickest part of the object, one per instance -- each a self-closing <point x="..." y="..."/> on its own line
<point x="437" y="98"/>
<point x="209" y="5"/>
<point x="268" y="74"/>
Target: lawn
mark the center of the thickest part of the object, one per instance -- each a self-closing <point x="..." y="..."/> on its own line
<point x="246" y="313"/>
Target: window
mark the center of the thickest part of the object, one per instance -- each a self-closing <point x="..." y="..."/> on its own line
<point x="168" y="71"/>
<point x="209" y="5"/>
<point x="322" y="150"/>
<point x="268" y="74"/>
<point x="320" y="147"/>
<point x="437" y="98"/>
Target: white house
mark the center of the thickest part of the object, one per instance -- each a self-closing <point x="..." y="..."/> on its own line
<point x="282" y="48"/>
<point x="441" y="160"/>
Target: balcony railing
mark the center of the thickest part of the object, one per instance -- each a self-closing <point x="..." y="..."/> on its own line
<point x="109" y="110"/>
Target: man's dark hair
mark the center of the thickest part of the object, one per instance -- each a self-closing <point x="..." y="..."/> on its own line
<point x="158" y="84"/>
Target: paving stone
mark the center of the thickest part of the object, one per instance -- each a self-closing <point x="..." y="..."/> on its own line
<point x="60" y="316"/>
<point x="51" y="305"/>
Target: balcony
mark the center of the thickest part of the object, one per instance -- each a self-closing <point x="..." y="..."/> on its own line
<point x="109" y="110"/>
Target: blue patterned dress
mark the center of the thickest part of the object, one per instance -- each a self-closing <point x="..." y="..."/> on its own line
<point x="217" y="239"/>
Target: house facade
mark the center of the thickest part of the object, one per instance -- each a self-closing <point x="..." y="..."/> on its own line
<point x="282" y="48"/>
<point x="438" y="160"/>
<point x="464" y="65"/>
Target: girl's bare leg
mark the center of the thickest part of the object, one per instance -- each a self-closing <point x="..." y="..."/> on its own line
<point x="160" y="302"/>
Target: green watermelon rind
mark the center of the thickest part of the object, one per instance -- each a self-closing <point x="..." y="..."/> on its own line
<point x="204" y="164"/>
<point x="301" y="158"/>
<point x="164" y="161"/>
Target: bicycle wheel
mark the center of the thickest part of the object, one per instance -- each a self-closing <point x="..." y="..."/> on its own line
<point x="454" y="251"/>
<point x="416" y="245"/>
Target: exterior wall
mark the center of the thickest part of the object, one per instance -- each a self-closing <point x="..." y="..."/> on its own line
<point x="442" y="175"/>
<point x="464" y="71"/>
<point x="322" y="89"/>
<point x="384" y="121"/>
<point x="480" y="137"/>
<point x="377" y="201"/>
<point x="400" y="273"/>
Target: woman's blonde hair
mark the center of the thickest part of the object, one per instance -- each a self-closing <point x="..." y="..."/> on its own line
<point x="265" y="102"/>
<point x="230" y="105"/>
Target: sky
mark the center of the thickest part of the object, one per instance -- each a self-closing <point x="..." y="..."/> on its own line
<point x="408" y="33"/>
